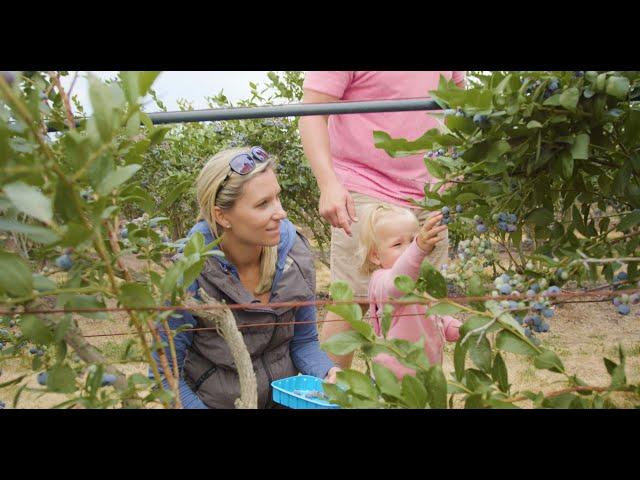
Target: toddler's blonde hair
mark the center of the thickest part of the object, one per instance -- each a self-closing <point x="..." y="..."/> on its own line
<point x="371" y="216"/>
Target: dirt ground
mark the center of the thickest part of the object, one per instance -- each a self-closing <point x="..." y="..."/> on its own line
<point x="581" y="334"/>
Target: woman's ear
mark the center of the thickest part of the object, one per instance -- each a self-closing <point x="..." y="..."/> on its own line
<point x="219" y="217"/>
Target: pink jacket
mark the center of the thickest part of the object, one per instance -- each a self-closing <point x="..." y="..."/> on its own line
<point x="409" y="321"/>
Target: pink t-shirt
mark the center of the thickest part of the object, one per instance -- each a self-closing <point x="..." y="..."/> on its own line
<point x="360" y="166"/>
<point x="409" y="322"/>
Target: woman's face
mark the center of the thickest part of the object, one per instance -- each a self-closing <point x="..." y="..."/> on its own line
<point x="255" y="217"/>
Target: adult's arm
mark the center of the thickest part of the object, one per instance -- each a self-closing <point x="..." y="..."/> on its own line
<point x="336" y="205"/>
<point x="305" y="350"/>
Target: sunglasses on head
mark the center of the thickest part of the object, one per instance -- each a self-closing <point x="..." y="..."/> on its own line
<point x="245" y="163"/>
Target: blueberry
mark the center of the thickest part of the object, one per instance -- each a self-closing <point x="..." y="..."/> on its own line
<point x="445" y="211"/>
<point x="635" y="298"/>
<point x="535" y="287"/>
<point x="537" y="306"/>
<point x="481" y="228"/>
<point x="553" y="86"/>
<point x="544" y="327"/>
<point x="519" y="319"/>
<point x="502" y="226"/>
<point x="617" y="301"/>
<point x="459" y="208"/>
<point x="1" y="345"/>
<point x="513" y="304"/>
<point x="42" y="378"/>
<point x="554" y="290"/>
<point x="624" y="309"/>
<point x="578" y="74"/>
<point x="108" y="379"/>
<point x="445" y="221"/>
<point x="512" y="218"/>
<point x="64" y="262"/>
<point x="481" y="120"/>
<point x="455" y="155"/>
<point x="460" y="112"/>
<point x="505" y="289"/>
<point x="537" y="321"/>
<point x="548" y="313"/>
<point x="527" y="332"/>
<point x="36" y="351"/>
<point x="503" y="217"/>
<point x="531" y="293"/>
<point x="165" y="239"/>
<point x="124" y="233"/>
<point x="504" y="277"/>
<point x="511" y="228"/>
<point x="153" y="223"/>
<point x="440" y="152"/>
<point x="622" y="276"/>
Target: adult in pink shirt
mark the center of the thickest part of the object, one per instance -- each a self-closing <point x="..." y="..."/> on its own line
<point x="351" y="172"/>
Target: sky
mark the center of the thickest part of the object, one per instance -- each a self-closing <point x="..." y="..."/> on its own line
<point x="171" y="86"/>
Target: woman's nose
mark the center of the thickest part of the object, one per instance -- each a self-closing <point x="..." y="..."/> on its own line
<point x="280" y="213"/>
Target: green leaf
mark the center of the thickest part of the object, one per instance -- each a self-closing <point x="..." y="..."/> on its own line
<point x="567" y="165"/>
<point x="103" y="108"/>
<point x="443" y="309"/>
<point x="459" y="355"/>
<point x="64" y="203"/>
<point x="436" y="387"/>
<point x="33" y="232"/>
<point x="29" y="200"/>
<point x="481" y="354"/>
<point x="534" y="124"/>
<point x="434" y="283"/>
<point x="35" y="330"/>
<point x="135" y="295"/>
<point x="340" y="291"/>
<point x="42" y="283"/>
<point x="117" y="178"/>
<point x="560" y="402"/>
<point x="62" y="329"/>
<point x="61" y="379"/>
<point x="499" y="373"/>
<point x="344" y="342"/>
<point x="617" y="86"/>
<point x="474" y="322"/>
<point x="386" y="381"/>
<point x="509" y="342"/>
<point x="548" y="360"/>
<point x="404" y="283"/>
<point x="580" y="147"/>
<point x="569" y="98"/>
<point x="540" y="217"/>
<point x="413" y="392"/>
<point x="359" y="383"/>
<point x="629" y="221"/>
<point x="387" y="317"/>
<point x="145" y="81"/>
<point x="15" y="279"/>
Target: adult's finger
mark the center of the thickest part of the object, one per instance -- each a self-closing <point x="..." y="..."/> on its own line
<point x="343" y="221"/>
<point x="351" y="208"/>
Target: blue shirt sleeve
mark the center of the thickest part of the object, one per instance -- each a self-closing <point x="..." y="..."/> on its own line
<point x="182" y="342"/>
<point x="305" y="347"/>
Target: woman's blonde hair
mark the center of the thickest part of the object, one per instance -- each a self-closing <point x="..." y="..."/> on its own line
<point x="371" y="215"/>
<point x="208" y="197"/>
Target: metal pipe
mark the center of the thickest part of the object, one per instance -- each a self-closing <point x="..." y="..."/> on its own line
<point x="291" y="110"/>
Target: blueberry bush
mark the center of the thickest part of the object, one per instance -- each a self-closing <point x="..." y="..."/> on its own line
<point x="545" y="167"/>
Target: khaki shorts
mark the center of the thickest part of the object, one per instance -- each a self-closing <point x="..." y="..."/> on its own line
<point x="344" y="265"/>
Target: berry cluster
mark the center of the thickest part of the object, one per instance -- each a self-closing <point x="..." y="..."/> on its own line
<point x="624" y="302"/>
<point x="506" y="221"/>
<point x="480" y="226"/>
<point x="474" y="256"/>
<point x="446" y="214"/>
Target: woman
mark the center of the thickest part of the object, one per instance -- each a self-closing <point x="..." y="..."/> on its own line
<point x="265" y="260"/>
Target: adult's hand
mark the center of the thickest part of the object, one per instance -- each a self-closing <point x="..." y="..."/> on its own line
<point x="331" y="374"/>
<point x="337" y="207"/>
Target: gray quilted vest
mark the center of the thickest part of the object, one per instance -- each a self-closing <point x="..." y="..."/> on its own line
<point x="209" y="368"/>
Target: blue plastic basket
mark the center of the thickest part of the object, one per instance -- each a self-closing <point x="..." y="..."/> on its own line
<point x="292" y="392"/>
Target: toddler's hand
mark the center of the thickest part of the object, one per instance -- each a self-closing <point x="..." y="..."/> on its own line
<point x="429" y="234"/>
